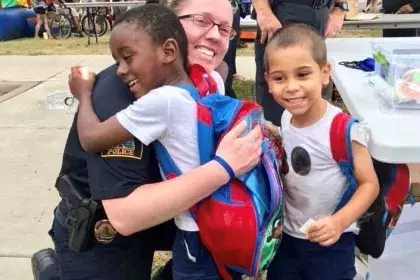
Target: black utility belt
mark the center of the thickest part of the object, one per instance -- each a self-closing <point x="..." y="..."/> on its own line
<point x="86" y="219"/>
<point x="316" y="4"/>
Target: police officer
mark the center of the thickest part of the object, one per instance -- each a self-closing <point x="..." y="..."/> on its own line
<point x="109" y="175"/>
<point x="398" y="7"/>
<point x="271" y="15"/>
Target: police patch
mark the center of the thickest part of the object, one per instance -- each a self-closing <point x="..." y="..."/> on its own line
<point x="127" y="150"/>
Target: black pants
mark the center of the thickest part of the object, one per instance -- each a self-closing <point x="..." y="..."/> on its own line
<point x="230" y="57"/>
<point x="128" y="258"/>
<point x="286" y="12"/>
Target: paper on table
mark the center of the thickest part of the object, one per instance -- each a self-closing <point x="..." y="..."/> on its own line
<point x="363" y="16"/>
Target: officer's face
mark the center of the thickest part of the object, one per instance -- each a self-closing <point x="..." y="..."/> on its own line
<point x="206" y="47"/>
<point x="136" y="58"/>
<point x="295" y="79"/>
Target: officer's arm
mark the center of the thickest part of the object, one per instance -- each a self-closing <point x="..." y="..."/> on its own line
<point x="262" y="6"/>
<point x="153" y="204"/>
<point x="95" y="135"/>
<point x="223" y="70"/>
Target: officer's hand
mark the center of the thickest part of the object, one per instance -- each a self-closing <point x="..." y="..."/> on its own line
<point x="268" y="24"/>
<point x="406" y="9"/>
<point x="335" y="23"/>
<point x="81" y="87"/>
<point x="241" y="153"/>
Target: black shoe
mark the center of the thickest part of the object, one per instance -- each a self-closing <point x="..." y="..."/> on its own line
<point x="44" y="265"/>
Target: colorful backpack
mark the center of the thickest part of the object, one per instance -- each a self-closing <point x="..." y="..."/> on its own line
<point x="241" y="222"/>
<point x="394" y="181"/>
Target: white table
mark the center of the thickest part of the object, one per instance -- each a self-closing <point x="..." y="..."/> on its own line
<point x="384" y="22"/>
<point x="395" y="134"/>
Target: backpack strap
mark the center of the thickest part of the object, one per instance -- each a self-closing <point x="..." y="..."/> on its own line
<point x="166" y="163"/>
<point x="204" y="126"/>
<point x="340" y="141"/>
<point x="204" y="82"/>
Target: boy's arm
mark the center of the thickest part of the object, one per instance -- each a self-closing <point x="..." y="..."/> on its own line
<point x="95" y="135"/>
<point x="367" y="190"/>
<point x="328" y="230"/>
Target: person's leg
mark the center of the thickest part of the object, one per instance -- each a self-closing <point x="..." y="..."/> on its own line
<point x="336" y="262"/>
<point x="412" y="32"/>
<point x="285" y="264"/>
<point x="230" y="57"/>
<point x="38" y="25"/>
<point x="46" y="27"/>
<point x="117" y="260"/>
<point x="190" y="260"/>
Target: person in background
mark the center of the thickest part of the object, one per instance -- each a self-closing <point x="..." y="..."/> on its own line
<point x="398" y="7"/>
<point x="40" y="9"/>
<point x="241" y="8"/>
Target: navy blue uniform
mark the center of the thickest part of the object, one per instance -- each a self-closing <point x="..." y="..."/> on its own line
<point x="113" y="173"/>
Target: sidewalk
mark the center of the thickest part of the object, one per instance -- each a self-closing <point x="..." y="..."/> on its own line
<point x="31" y="146"/>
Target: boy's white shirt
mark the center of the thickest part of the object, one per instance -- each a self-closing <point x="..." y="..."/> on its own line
<point x="317" y="194"/>
<point x="169" y="114"/>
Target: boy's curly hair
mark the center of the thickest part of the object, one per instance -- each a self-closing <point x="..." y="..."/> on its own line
<point x="160" y="23"/>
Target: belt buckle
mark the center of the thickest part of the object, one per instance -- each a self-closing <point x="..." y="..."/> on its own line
<point x="104" y="232"/>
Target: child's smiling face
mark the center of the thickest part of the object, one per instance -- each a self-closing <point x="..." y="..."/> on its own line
<point x="206" y="48"/>
<point x="137" y="58"/>
<point x="295" y="79"/>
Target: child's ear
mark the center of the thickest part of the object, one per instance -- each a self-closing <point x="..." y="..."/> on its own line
<point x="267" y="80"/>
<point x="325" y="72"/>
<point x="169" y="51"/>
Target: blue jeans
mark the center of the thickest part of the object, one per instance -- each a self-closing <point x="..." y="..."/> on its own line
<point x="300" y="259"/>
<point x="191" y="261"/>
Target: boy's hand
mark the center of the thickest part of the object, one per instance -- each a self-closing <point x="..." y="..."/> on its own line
<point x="81" y="87"/>
<point x="325" y="231"/>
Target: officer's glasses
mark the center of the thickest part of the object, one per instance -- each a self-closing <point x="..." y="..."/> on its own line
<point x="207" y="23"/>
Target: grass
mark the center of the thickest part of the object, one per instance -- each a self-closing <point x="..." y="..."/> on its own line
<point x="75" y="46"/>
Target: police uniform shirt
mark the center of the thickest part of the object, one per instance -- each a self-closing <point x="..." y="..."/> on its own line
<point x="116" y="172"/>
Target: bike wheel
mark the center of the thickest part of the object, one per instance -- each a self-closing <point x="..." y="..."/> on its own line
<point x="101" y="26"/>
<point x="61" y="27"/>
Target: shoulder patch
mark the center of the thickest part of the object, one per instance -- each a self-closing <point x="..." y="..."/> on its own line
<point x="126" y="150"/>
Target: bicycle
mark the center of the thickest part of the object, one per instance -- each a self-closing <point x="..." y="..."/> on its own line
<point x="63" y="23"/>
<point x="102" y="18"/>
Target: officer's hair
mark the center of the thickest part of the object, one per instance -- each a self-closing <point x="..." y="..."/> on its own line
<point x="298" y="34"/>
<point x="160" y="23"/>
<point x="176" y="5"/>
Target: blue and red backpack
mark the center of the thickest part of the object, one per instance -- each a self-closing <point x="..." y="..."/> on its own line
<point x="241" y="222"/>
<point x="394" y="181"/>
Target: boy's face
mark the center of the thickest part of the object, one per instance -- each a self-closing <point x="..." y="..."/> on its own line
<point x="137" y="58"/>
<point x="295" y="79"/>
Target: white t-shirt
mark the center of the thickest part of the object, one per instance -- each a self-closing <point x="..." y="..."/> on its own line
<point x="315" y="183"/>
<point x="169" y="114"/>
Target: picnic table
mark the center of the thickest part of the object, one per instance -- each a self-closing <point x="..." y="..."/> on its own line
<point x="386" y="21"/>
<point x="395" y="138"/>
<point x="395" y="134"/>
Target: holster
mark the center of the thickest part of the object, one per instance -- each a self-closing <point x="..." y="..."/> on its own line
<point x="82" y="212"/>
